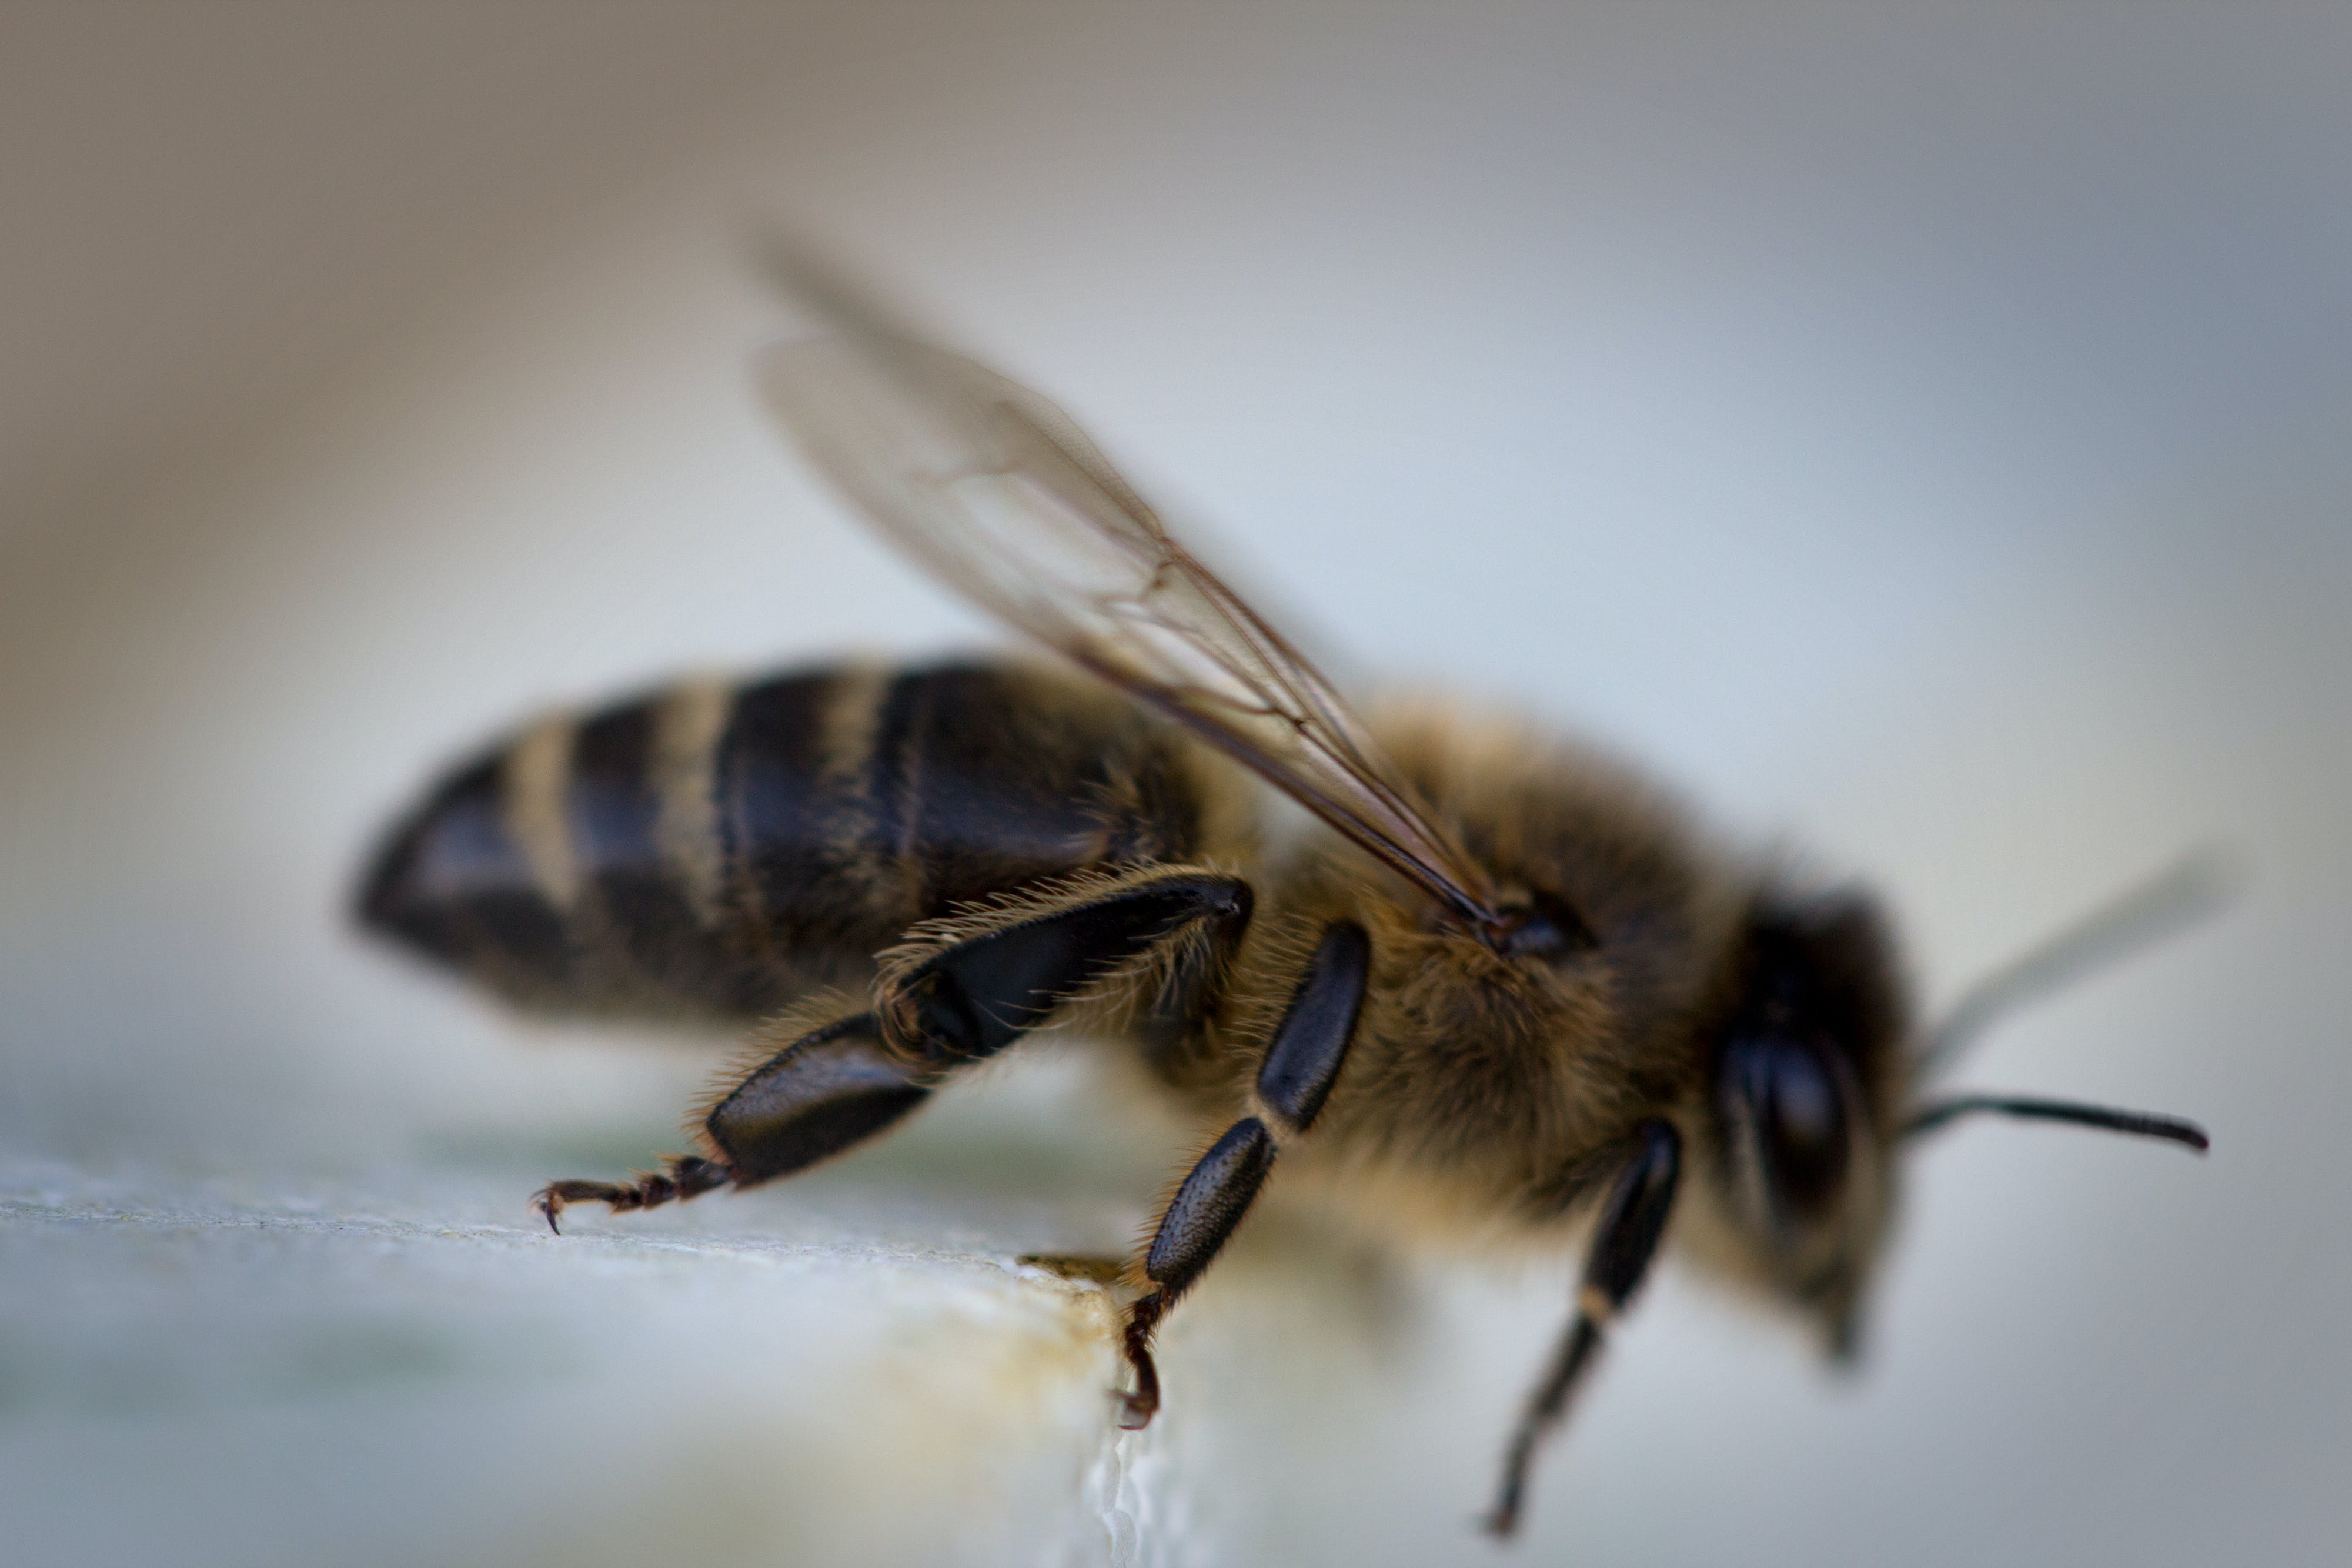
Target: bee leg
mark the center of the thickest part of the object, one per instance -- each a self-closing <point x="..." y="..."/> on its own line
<point x="1633" y="1220"/>
<point x="1309" y="1046"/>
<point x="828" y="1089"/>
<point x="833" y="1087"/>
<point x="961" y="989"/>
<point x="686" y="1175"/>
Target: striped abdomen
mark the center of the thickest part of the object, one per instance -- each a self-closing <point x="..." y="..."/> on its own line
<point x="720" y="850"/>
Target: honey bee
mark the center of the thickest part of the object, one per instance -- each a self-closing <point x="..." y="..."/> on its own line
<point x="1492" y="986"/>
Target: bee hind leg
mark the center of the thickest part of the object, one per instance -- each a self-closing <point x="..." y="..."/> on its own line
<point x="828" y="1089"/>
<point x="957" y="991"/>
<point x="687" y="1176"/>
<point x="960" y="989"/>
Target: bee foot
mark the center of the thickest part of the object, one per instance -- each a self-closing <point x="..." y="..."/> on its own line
<point x="1138" y="1404"/>
<point x="687" y="1175"/>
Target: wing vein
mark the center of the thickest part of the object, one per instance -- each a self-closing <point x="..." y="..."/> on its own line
<point x="999" y="494"/>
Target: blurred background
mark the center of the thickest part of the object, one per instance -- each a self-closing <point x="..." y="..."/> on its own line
<point x="1916" y="433"/>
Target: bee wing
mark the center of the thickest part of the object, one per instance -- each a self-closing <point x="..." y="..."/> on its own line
<point x="1001" y="496"/>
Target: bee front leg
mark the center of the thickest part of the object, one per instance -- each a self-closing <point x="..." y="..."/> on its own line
<point x="1303" y="1061"/>
<point x="1633" y="1220"/>
<point x="828" y="1089"/>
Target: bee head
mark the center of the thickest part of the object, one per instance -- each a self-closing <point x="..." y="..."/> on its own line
<point x="1803" y="1088"/>
<point x="1812" y="1075"/>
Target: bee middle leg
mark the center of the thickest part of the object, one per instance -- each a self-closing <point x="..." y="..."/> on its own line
<point x="1301" y="1063"/>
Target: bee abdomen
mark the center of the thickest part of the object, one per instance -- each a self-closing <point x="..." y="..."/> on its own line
<point x="720" y="850"/>
<point x="577" y="863"/>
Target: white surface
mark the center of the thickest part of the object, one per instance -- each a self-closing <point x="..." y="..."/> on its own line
<point x="1920" y="438"/>
<point x="404" y="1368"/>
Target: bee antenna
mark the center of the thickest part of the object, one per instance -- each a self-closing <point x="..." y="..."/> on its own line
<point x="2184" y="892"/>
<point x="2138" y="1124"/>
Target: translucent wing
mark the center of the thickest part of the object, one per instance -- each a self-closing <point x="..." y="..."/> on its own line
<point x="994" y="488"/>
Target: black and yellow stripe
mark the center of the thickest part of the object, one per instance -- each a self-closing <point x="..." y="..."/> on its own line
<point x="720" y="851"/>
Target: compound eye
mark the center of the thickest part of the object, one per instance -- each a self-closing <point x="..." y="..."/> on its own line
<point x="1788" y="1096"/>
